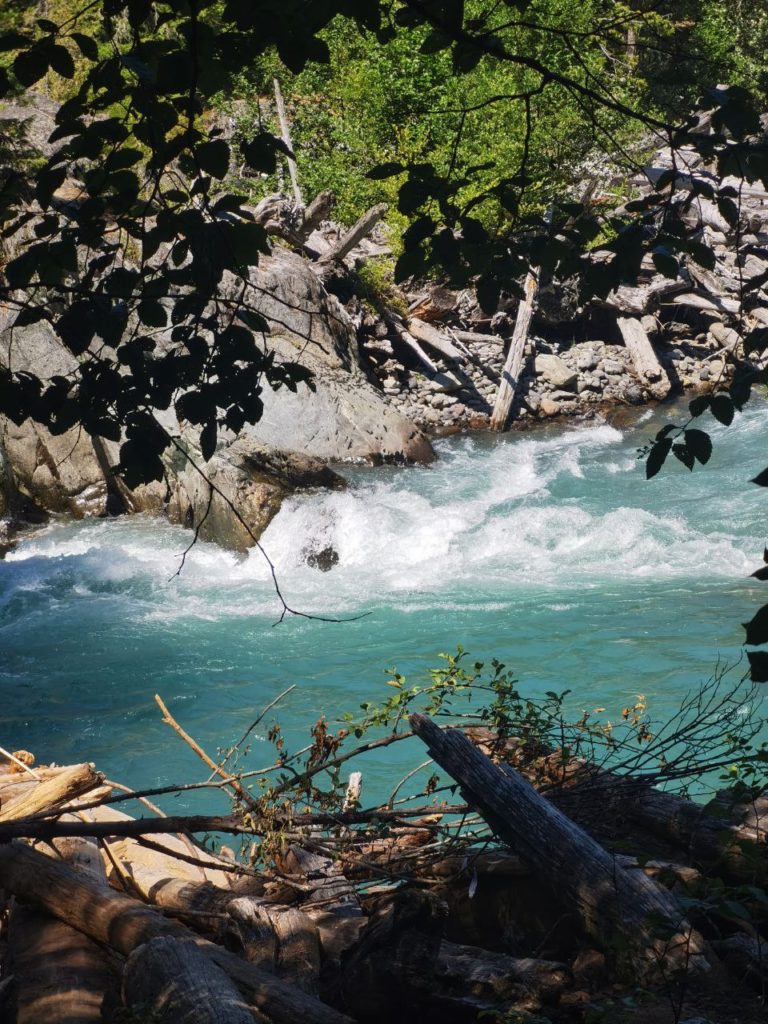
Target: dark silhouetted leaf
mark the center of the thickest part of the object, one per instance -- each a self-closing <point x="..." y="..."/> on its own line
<point x="722" y="408"/>
<point x="757" y="628"/>
<point x="700" y="443"/>
<point x="758" y="666"/>
<point x="657" y="457"/>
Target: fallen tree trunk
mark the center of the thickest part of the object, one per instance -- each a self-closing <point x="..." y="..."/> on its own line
<point x="124" y="924"/>
<point x="435" y="339"/>
<point x="498" y="976"/>
<point x="60" y="975"/>
<point x="644" y="359"/>
<point x="359" y="230"/>
<point x="620" y="909"/>
<point x="175" y="983"/>
<point x="395" y="324"/>
<point x="53" y="791"/>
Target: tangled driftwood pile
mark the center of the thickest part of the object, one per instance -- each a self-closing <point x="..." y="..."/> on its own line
<point x="107" y="917"/>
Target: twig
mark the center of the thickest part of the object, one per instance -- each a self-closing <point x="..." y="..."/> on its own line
<point x="244" y="795"/>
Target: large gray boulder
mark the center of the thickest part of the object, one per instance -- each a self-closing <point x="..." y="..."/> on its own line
<point x="343" y="419"/>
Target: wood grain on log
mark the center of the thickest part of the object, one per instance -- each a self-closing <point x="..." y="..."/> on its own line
<point x="510" y="376"/>
<point x="435" y="339"/>
<point x="347" y="242"/>
<point x="53" y="791"/>
<point x="124" y="924"/>
<point x="620" y="909"/>
<point x="175" y="983"/>
<point x="61" y="976"/>
<point x="646" y="363"/>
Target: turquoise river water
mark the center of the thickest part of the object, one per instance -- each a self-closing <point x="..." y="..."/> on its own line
<point x="547" y="550"/>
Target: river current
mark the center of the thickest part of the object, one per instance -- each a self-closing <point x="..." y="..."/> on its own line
<point x="548" y="550"/>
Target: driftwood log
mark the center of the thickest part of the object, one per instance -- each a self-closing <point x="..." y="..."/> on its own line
<point x="120" y="922"/>
<point x="175" y="983"/>
<point x="622" y="910"/>
<point x="646" y="363"/>
<point x="52" y="791"/>
<point x="60" y="975"/>
<point x="510" y="376"/>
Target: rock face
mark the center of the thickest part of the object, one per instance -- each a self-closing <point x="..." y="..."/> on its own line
<point x="344" y="419"/>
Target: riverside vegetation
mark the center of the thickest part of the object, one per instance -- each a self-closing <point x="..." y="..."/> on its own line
<point x="185" y="329"/>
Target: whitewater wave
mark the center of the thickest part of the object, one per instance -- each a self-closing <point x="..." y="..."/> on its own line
<point x="557" y="510"/>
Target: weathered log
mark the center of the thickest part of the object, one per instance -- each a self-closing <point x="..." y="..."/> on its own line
<point x="280" y="939"/>
<point x="53" y="791"/>
<point x="714" y="303"/>
<point x="725" y="837"/>
<point x="435" y="339"/>
<point x="622" y="910"/>
<point x="171" y="862"/>
<point x="395" y="324"/>
<point x="316" y="213"/>
<point x="61" y="976"/>
<point x="510" y="376"/>
<point x="285" y="131"/>
<point x="647" y="366"/>
<point x="475" y="338"/>
<point x="390" y="971"/>
<point x="496" y="976"/>
<point x="746" y="957"/>
<point x="175" y="983"/>
<point x="124" y="924"/>
<point x="347" y="242"/>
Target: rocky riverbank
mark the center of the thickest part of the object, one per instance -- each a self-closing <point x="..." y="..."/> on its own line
<point x="391" y="366"/>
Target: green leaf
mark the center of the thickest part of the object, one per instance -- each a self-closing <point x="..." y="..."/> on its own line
<point x="213" y="158"/>
<point x="208" y="439"/>
<point x="261" y="152"/>
<point x="699" y="405"/>
<point x="756" y="340"/>
<point x="757" y="628"/>
<point x="86" y="45"/>
<point x="657" y="457"/>
<point x="723" y="408"/>
<point x="700" y="444"/>
<point x="666" y="264"/>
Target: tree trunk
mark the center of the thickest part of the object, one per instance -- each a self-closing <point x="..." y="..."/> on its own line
<point x="510" y="377"/>
<point x="435" y="339"/>
<point x="60" y="975"/>
<point x="359" y="230"/>
<point x="174" y="983"/>
<point x="124" y="924"/>
<point x="646" y="363"/>
<point x="285" y="131"/>
<point x="622" y="910"/>
<point x="57" y="789"/>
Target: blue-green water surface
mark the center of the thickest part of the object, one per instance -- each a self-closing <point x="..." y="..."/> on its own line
<point x="549" y="551"/>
